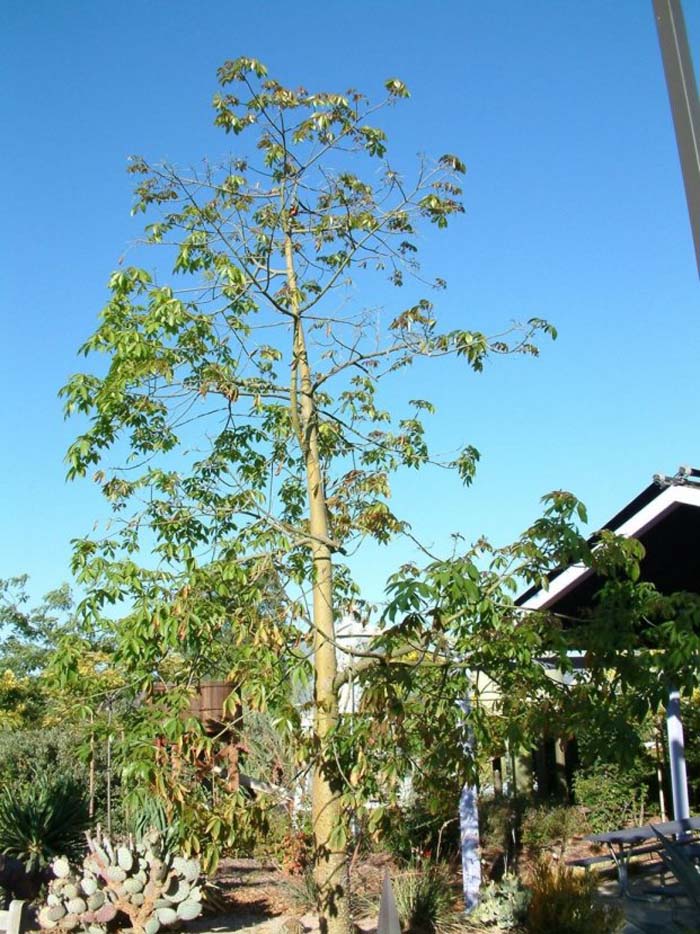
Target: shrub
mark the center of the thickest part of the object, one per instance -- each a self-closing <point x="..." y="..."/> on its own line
<point x="41" y="821"/>
<point x="500" y="821"/>
<point x="612" y="796"/>
<point x="26" y="754"/>
<point x="279" y="838"/>
<point x="566" y="903"/>
<point x="29" y="755"/>
<point x="414" y="827"/>
<point x="296" y="851"/>
<point x="552" y="826"/>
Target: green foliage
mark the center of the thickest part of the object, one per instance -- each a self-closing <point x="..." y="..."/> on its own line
<point x="146" y="815"/>
<point x="28" y="637"/>
<point x="503" y="904"/>
<point x="617" y="731"/>
<point x="30" y="634"/>
<point x="566" y="902"/>
<point x="43" y="820"/>
<point x="247" y="353"/>
<point x="47" y="728"/>
<point x="204" y="815"/>
<point x="617" y="771"/>
<point x="415" y="827"/>
<point x="547" y="826"/>
<point x="612" y="795"/>
<point x="26" y="755"/>
<point x="500" y="826"/>
<point x="269" y="750"/>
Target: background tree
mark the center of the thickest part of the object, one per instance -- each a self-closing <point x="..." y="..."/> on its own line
<point x="30" y="639"/>
<point x="30" y="634"/>
<point x="55" y="739"/>
<point x="244" y="407"/>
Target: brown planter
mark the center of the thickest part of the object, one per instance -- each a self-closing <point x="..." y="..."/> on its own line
<point x="208" y="706"/>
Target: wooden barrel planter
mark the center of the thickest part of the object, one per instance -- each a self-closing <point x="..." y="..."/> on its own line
<point x="221" y="721"/>
<point x="208" y="706"/>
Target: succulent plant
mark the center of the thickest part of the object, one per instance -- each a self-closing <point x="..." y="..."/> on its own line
<point x="42" y="820"/>
<point x="142" y="883"/>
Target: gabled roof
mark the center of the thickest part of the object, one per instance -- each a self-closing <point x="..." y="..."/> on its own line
<point x="665" y="517"/>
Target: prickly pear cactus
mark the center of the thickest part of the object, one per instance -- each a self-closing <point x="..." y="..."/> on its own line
<point x="137" y="886"/>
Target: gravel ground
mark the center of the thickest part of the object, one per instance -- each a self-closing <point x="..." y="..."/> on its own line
<point x="259" y="898"/>
<point x="240" y="921"/>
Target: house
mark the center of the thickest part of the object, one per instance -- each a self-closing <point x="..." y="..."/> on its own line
<point x="665" y="518"/>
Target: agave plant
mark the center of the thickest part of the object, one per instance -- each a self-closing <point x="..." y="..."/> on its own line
<point x="682" y="865"/>
<point x="41" y="821"/>
<point x="147" y="813"/>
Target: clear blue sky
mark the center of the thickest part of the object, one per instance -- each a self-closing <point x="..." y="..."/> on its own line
<point x="575" y="213"/>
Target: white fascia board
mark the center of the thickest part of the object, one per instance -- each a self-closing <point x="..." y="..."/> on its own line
<point x="647" y="517"/>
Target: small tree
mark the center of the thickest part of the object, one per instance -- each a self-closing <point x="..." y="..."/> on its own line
<point x="244" y="407"/>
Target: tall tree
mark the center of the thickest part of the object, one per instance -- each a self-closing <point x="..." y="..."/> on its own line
<point x="244" y="406"/>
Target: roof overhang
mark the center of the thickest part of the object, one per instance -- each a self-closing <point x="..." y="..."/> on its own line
<point x="642" y="521"/>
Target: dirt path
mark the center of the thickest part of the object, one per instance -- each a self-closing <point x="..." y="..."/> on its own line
<point x="259" y="898"/>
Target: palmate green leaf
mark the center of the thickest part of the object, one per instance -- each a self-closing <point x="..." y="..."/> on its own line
<point x="396" y="88"/>
<point x="453" y="162"/>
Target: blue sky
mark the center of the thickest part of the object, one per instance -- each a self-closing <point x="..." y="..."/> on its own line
<point x="575" y="213"/>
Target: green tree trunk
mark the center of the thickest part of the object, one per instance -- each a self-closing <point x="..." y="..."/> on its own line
<point x="330" y="860"/>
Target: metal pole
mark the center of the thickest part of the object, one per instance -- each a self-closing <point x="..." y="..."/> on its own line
<point x="676" y="756"/>
<point x="683" y="95"/>
<point x="659" y="749"/>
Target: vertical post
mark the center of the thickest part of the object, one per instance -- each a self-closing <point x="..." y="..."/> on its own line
<point x="676" y="756"/>
<point x="496" y="765"/>
<point x="469" y="826"/>
<point x="562" y="787"/>
<point x="541" y="772"/>
<point x="91" y="787"/>
<point x="109" y="783"/>
<point x="469" y="842"/>
<point x="683" y="95"/>
<point x="513" y="773"/>
<point x="659" y="749"/>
